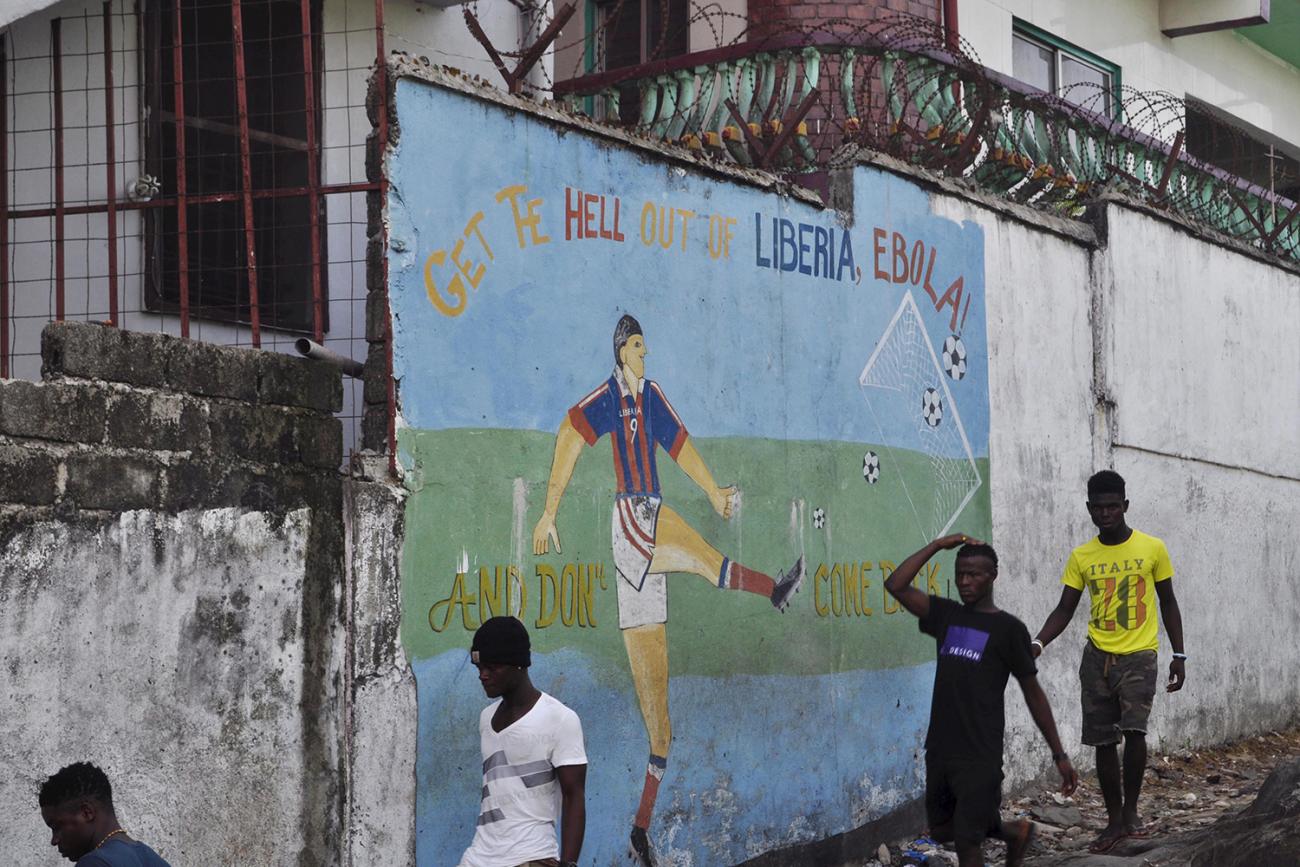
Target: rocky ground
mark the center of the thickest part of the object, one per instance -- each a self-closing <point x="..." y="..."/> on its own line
<point x="1204" y="808"/>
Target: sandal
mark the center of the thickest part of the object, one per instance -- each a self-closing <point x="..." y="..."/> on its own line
<point x="1105" y="842"/>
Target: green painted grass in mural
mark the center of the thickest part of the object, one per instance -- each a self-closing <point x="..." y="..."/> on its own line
<point x="478" y="493"/>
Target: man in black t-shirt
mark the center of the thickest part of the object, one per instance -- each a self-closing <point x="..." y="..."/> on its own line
<point x="979" y="647"/>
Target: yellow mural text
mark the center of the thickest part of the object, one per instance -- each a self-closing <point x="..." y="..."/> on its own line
<point x="466" y="267"/>
<point x="527" y="218"/>
<point x="722" y="231"/>
<point x="566" y="596"/>
<point x="661" y="224"/>
<point x="500" y="591"/>
<point x="844" y="589"/>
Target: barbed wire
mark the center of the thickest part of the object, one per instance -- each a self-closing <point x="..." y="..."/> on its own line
<point x="805" y="98"/>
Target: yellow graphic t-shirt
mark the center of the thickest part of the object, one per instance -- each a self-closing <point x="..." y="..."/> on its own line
<point x="1121" y="583"/>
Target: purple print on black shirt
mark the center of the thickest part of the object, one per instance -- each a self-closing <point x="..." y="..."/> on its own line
<point x="964" y="642"/>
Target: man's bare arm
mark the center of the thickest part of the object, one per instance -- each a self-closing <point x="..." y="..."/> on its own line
<point x="1041" y="711"/>
<point x="1173" y="619"/>
<point x="568" y="446"/>
<point x="573" y="809"/>
<point x="899" y="583"/>
<point x="1059" y="618"/>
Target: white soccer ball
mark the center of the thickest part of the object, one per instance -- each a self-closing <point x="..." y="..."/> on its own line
<point x="954" y="357"/>
<point x="819" y="518"/>
<point x="932" y="407"/>
<point x="871" y="467"/>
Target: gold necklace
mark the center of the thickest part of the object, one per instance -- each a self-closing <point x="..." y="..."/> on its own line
<point x="110" y="836"/>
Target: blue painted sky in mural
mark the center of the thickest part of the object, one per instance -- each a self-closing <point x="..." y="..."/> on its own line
<point x="554" y="305"/>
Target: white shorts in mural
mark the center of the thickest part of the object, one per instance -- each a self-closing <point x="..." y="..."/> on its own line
<point x="642" y="594"/>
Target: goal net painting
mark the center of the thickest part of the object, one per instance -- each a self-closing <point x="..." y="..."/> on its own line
<point x="917" y="421"/>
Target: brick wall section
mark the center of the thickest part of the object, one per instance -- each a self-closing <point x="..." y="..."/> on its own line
<point x="127" y="420"/>
<point x="771" y="17"/>
<point x="374" y="420"/>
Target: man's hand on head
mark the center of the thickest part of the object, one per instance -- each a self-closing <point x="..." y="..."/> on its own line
<point x="955" y="540"/>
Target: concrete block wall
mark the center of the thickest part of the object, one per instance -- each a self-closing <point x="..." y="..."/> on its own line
<point x="172" y="578"/>
<point x="127" y="420"/>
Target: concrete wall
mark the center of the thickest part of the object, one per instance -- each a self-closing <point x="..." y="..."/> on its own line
<point x="1223" y="68"/>
<point x="1164" y="354"/>
<point x="380" y="719"/>
<point x="171" y="554"/>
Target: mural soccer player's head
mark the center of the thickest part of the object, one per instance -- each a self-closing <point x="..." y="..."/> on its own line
<point x="628" y="334"/>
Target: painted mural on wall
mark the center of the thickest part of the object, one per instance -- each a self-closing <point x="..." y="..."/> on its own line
<point x="683" y="428"/>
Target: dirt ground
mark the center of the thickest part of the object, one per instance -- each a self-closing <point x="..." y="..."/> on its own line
<point x="1183" y="791"/>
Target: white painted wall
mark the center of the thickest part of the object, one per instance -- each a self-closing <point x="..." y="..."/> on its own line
<point x="1194" y="344"/>
<point x="1222" y="69"/>
<point x="1196" y="349"/>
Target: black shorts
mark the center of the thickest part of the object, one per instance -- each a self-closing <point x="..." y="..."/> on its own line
<point x="965" y="792"/>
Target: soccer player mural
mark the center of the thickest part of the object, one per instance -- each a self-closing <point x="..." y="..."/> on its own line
<point x="649" y="538"/>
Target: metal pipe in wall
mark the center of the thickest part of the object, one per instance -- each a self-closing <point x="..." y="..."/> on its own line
<point x="313" y="350"/>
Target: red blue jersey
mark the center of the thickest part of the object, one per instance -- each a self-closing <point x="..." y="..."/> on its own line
<point x="637" y="424"/>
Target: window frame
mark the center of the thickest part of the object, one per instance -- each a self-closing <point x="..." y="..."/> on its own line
<point x="156" y="297"/>
<point x="1059" y="47"/>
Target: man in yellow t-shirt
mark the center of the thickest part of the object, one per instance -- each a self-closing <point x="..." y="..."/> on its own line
<point x="1125" y="572"/>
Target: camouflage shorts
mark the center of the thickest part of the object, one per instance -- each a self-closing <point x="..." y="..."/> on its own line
<point x="1117" y="692"/>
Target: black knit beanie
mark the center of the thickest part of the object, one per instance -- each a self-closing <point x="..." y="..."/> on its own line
<point x="501" y="640"/>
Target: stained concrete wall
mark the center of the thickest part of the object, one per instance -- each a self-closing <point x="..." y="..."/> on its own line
<point x="171" y="564"/>
<point x="380" y="721"/>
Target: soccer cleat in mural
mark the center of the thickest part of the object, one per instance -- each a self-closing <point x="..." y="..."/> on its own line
<point x="954" y="357"/>
<point x="787" y="584"/>
<point x="903" y="379"/>
<point x="871" y="467"/>
<point x="639" y="848"/>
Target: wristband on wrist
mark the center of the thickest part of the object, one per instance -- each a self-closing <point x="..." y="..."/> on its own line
<point x="1056" y="757"/>
<point x="1180" y="656"/>
<point x="1040" y="644"/>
